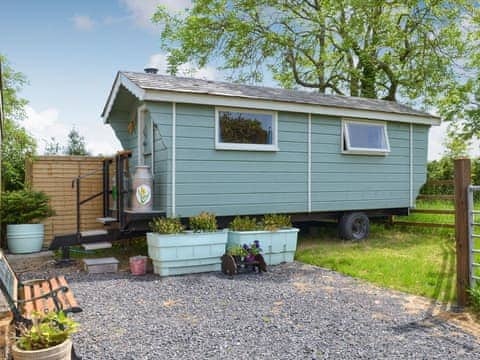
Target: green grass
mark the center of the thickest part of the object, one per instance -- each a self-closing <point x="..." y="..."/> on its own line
<point x="415" y="262"/>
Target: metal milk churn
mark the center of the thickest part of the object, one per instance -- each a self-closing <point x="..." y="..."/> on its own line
<point x="142" y="194"/>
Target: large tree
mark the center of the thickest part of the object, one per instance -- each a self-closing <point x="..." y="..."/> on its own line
<point x="17" y="144"/>
<point x="76" y="143"/>
<point x="410" y="49"/>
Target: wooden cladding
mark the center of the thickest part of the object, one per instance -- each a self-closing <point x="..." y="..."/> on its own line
<point x="54" y="175"/>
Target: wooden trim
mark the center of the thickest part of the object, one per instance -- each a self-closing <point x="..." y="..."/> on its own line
<point x="174" y="157"/>
<point x="309" y="150"/>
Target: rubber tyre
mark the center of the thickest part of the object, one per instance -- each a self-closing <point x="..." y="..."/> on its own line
<point x="354" y="226"/>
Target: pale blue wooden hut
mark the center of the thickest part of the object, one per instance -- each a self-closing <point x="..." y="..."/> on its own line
<point x="245" y="150"/>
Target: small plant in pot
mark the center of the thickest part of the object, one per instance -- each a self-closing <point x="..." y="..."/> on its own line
<point x="47" y="338"/>
<point x="22" y="211"/>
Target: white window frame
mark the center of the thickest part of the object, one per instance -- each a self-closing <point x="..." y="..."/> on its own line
<point x="345" y="140"/>
<point x="246" y="147"/>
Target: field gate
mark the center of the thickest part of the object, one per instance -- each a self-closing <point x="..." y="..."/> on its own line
<point x="473" y="234"/>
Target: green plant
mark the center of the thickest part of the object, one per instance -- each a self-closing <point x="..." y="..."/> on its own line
<point x="47" y="331"/>
<point x="203" y="222"/>
<point x="24" y="207"/>
<point x="273" y="222"/>
<point x="237" y="251"/>
<point x="244" y="223"/>
<point x="165" y="225"/>
<point x="475" y="298"/>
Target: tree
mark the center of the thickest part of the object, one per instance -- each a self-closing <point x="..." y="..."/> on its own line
<point x="370" y="48"/>
<point x="53" y="147"/>
<point x="17" y="145"/>
<point x="76" y="143"/>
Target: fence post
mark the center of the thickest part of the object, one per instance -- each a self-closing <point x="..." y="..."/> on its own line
<point x="462" y="181"/>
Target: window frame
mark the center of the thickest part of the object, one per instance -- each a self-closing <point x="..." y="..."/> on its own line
<point x="246" y="147"/>
<point x="345" y="139"/>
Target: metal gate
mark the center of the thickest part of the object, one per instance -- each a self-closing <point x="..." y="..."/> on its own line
<point x="473" y="236"/>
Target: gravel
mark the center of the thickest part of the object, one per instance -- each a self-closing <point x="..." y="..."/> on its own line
<point x="294" y="311"/>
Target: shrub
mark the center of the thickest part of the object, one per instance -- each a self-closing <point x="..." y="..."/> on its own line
<point x="47" y="331"/>
<point x="237" y="251"/>
<point x="244" y="223"/>
<point x="25" y="207"/>
<point x="273" y="222"/>
<point x="475" y="298"/>
<point x="203" y="222"/>
<point x="165" y="225"/>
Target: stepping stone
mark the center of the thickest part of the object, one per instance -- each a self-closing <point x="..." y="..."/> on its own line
<point x="88" y="233"/>
<point x="101" y="265"/>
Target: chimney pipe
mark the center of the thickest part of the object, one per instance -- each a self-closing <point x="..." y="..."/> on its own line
<point x="151" y="70"/>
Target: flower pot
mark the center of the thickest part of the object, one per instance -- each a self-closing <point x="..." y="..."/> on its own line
<point x="186" y="253"/>
<point x="278" y="246"/>
<point x="138" y="265"/>
<point x="25" y="238"/>
<point x="62" y="351"/>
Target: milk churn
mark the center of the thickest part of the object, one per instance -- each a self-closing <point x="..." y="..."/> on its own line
<point x="142" y="195"/>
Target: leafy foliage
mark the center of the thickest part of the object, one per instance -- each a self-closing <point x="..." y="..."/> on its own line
<point x="47" y="331"/>
<point x="24" y="207"/>
<point x="17" y="145"/>
<point x="368" y="48"/>
<point x="241" y="130"/>
<point x="203" y="222"/>
<point x="244" y="223"/>
<point x="53" y="147"/>
<point x="475" y="298"/>
<point x="273" y="222"/>
<point x="76" y="143"/>
<point x="163" y="225"/>
<point x="237" y="251"/>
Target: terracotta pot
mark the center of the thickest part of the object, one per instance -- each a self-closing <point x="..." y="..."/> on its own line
<point x="62" y="351"/>
<point x="138" y="265"/>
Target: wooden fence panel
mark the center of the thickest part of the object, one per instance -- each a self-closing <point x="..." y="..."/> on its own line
<point x="54" y="175"/>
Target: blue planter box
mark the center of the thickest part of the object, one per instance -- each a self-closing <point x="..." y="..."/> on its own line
<point x="278" y="246"/>
<point x="186" y="253"/>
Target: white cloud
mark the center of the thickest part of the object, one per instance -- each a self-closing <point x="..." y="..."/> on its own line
<point x="159" y="61"/>
<point x="143" y="10"/>
<point x="45" y="124"/>
<point x="83" y="22"/>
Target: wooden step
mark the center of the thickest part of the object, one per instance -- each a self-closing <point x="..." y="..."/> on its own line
<point x="106" y="220"/>
<point x="101" y="265"/>
<point x="97" y="245"/>
<point x="88" y="233"/>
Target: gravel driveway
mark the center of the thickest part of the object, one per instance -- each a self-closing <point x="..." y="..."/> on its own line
<point x="294" y="311"/>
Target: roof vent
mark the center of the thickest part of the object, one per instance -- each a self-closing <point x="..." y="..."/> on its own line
<point x="151" y="70"/>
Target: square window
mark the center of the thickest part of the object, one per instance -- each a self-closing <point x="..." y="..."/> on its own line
<point x="367" y="138"/>
<point x="238" y="129"/>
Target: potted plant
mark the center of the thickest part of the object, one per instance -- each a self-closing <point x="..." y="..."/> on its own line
<point x="22" y="211"/>
<point x="47" y="338"/>
<point x="274" y="231"/>
<point x="175" y="251"/>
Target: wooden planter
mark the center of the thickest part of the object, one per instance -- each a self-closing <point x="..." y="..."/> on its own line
<point x="278" y="246"/>
<point x="186" y="253"/>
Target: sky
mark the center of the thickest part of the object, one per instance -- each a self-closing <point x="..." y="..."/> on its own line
<point x="70" y="52"/>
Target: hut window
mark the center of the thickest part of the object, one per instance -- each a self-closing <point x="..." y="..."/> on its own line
<point x="241" y="129"/>
<point x="364" y="137"/>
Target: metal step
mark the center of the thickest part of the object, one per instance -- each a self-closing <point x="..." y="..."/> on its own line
<point x="101" y="265"/>
<point x="97" y="246"/>
<point x="106" y="220"/>
<point x="88" y="233"/>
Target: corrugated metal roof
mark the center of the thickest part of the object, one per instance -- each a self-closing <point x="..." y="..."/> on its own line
<point x="219" y="88"/>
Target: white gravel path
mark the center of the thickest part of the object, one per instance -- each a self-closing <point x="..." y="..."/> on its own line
<point x="294" y="311"/>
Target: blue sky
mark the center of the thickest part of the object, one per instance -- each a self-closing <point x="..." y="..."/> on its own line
<point x="70" y="52"/>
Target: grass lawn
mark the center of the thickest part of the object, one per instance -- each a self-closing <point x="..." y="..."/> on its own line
<point x="417" y="261"/>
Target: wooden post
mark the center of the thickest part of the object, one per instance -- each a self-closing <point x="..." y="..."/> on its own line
<point x="462" y="181"/>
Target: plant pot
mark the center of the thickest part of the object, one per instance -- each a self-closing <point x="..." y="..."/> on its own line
<point x="278" y="246"/>
<point x="25" y="238"/>
<point x="186" y="253"/>
<point x="138" y="265"/>
<point x="62" y="351"/>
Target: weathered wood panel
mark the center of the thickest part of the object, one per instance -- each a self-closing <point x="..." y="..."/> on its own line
<point x="54" y="175"/>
